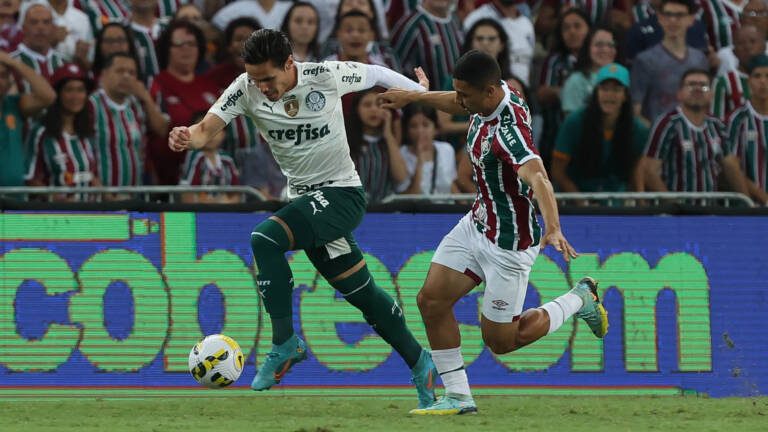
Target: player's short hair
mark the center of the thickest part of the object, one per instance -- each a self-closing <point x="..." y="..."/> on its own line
<point x="267" y="45"/>
<point x="477" y="69"/>
<point x="110" y="60"/>
<point x="694" y="71"/>
<point x="690" y="4"/>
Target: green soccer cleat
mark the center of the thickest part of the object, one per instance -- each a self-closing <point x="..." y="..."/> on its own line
<point x="424" y="376"/>
<point x="278" y="362"/>
<point x="448" y="405"/>
<point x="592" y="312"/>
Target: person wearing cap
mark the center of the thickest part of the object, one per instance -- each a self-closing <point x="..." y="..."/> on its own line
<point x="684" y="151"/>
<point x="13" y="110"/>
<point x="597" y="147"/>
<point x="61" y="148"/>
<point x="36" y="49"/>
<point x="747" y="130"/>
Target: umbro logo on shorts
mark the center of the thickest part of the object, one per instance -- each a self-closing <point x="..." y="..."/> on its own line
<point x="500" y="305"/>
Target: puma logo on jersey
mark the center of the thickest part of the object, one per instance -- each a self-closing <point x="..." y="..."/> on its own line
<point x="303" y="132"/>
<point x="231" y="99"/>
<point x="269" y="106"/>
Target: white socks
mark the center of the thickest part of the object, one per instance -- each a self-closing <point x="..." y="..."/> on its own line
<point x="561" y="309"/>
<point x="450" y="365"/>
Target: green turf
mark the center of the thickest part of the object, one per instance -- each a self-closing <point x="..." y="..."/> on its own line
<point x="224" y="411"/>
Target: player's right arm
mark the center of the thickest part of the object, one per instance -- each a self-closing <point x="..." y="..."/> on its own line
<point x="197" y="135"/>
<point x="440" y="100"/>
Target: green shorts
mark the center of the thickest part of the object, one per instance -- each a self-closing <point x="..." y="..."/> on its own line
<point x="321" y="217"/>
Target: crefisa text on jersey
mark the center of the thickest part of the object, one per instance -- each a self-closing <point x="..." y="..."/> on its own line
<point x="303" y="132"/>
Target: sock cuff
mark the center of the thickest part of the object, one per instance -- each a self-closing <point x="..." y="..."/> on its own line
<point x="447" y="360"/>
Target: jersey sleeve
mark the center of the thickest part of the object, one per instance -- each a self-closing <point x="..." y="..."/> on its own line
<point x="350" y="77"/>
<point x="719" y="98"/>
<point x="734" y="134"/>
<point x="658" y="139"/>
<point x="233" y="102"/>
<point x="190" y="173"/>
<point x="513" y="141"/>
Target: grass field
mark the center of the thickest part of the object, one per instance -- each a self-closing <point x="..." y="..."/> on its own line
<point x="243" y="410"/>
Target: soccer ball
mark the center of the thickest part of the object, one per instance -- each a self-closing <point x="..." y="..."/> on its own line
<point x="216" y="361"/>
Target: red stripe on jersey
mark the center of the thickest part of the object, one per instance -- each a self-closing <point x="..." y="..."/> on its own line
<point x="680" y="162"/>
<point x="63" y="145"/>
<point x="656" y="134"/>
<point x="482" y="186"/>
<point x="112" y="145"/>
<point x="511" y="187"/>
<point x="129" y="147"/>
<point x="522" y="119"/>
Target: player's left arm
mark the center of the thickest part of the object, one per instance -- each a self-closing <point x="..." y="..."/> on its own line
<point x="532" y="172"/>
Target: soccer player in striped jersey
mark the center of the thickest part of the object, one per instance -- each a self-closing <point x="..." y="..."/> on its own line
<point x="298" y="108"/>
<point x="122" y="109"/>
<point x="62" y="154"/>
<point x="730" y="87"/>
<point x="684" y="150"/>
<point x="500" y="238"/>
<point x="36" y="49"/>
<point x="748" y="131"/>
<point x="430" y="37"/>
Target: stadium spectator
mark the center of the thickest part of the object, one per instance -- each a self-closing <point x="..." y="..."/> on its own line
<point x="10" y="30"/>
<point x="180" y="92"/>
<point x="113" y="38"/>
<point x="62" y="152"/>
<point x="755" y="13"/>
<point x="721" y="18"/>
<point x="519" y="28"/>
<point x="101" y="12"/>
<point x="73" y="31"/>
<point x="191" y="12"/>
<point x="209" y="166"/>
<point x="379" y="48"/>
<point x="14" y="109"/>
<point x="269" y="13"/>
<point x="747" y="132"/>
<point x="730" y="86"/>
<point x="598" y="50"/>
<point x="302" y="25"/>
<point x="752" y="39"/>
<point x="656" y="72"/>
<point x="598" y="147"/>
<point x="570" y="33"/>
<point x="146" y="28"/>
<point x="431" y="164"/>
<point x="123" y="111"/>
<point x="646" y="32"/>
<point x="430" y="37"/>
<point x="230" y="63"/>
<point x="684" y="147"/>
<point x="373" y="8"/>
<point x="36" y="49"/>
<point x="355" y="32"/>
<point x="374" y="147"/>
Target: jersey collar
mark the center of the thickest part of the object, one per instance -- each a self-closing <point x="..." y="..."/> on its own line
<point x="504" y="102"/>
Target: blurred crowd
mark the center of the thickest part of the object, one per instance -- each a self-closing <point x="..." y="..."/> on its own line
<point x="625" y="95"/>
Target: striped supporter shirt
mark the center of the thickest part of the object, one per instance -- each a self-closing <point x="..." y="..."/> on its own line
<point x="747" y="131"/>
<point x="421" y="39"/>
<point x="722" y="19"/>
<point x="731" y="91"/>
<point x="119" y="139"/>
<point x="101" y="12"/>
<point x="67" y="160"/>
<point x="145" y="38"/>
<point x="498" y="145"/>
<point x="596" y="10"/>
<point x="43" y="65"/>
<point x="199" y="170"/>
<point x="690" y="154"/>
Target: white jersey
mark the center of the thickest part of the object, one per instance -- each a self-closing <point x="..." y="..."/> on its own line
<point x="305" y="128"/>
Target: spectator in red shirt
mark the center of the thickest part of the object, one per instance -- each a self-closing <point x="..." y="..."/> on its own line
<point x="230" y="64"/>
<point x="179" y="91"/>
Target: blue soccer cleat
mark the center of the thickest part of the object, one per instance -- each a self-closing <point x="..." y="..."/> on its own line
<point x="424" y="376"/>
<point x="449" y="405"/>
<point x="592" y="312"/>
<point x="278" y="362"/>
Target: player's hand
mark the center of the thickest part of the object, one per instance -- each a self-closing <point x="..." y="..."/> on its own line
<point x="422" y="77"/>
<point x="395" y="98"/>
<point x="558" y="241"/>
<point x="179" y="139"/>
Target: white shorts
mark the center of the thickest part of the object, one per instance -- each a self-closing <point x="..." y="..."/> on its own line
<point x="505" y="272"/>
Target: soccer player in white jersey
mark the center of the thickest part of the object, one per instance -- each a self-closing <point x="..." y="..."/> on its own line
<point x="297" y="106"/>
<point x="499" y="239"/>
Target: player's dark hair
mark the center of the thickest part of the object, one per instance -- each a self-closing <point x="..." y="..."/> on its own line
<point x="266" y="45"/>
<point x="477" y="69"/>
<point x="413" y="109"/>
<point x="164" y="42"/>
<point x="588" y="155"/>
<point x="229" y="33"/>
<point x="110" y="60"/>
<point x="690" y="4"/>
<point x="314" y="45"/>
<point x="694" y="71"/>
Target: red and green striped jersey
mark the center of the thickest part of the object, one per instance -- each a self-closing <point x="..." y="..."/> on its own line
<point x="241" y="133"/>
<point x="498" y="145"/>
<point x="144" y="39"/>
<point x="690" y="154"/>
<point x="747" y="135"/>
<point x="119" y="139"/>
<point x="42" y="64"/>
<point x="596" y="10"/>
<point x="101" y="12"/>
<point x="731" y="92"/>
<point x="200" y="170"/>
<point x="556" y="69"/>
<point x="421" y="39"/>
<point x="642" y="11"/>
<point x="66" y="160"/>
<point x="722" y="19"/>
